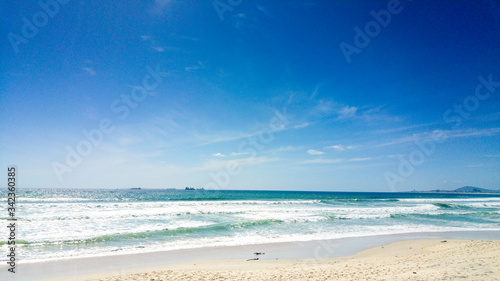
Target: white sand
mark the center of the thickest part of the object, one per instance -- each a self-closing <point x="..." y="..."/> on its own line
<point x="407" y="260"/>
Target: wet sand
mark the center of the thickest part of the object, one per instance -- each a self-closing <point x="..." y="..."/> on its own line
<point x="430" y="259"/>
<point x="300" y="253"/>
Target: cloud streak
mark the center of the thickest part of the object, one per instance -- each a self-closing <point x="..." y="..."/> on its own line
<point x="315" y="152"/>
<point x="444" y="134"/>
<point x="340" y="147"/>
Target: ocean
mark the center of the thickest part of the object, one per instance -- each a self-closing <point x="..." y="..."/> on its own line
<point x="55" y="224"/>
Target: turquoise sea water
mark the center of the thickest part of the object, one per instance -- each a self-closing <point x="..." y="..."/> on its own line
<point x="61" y="223"/>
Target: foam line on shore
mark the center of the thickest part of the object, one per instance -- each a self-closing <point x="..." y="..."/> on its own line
<point x="290" y="250"/>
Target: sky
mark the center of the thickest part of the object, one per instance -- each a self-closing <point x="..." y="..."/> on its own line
<point x="238" y="94"/>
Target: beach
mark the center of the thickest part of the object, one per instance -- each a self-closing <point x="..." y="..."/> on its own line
<point x="69" y="233"/>
<point x="367" y="254"/>
<point x="97" y="223"/>
<point x="425" y="259"/>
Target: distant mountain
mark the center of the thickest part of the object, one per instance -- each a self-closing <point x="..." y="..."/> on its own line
<point x="467" y="189"/>
<point x="473" y="189"/>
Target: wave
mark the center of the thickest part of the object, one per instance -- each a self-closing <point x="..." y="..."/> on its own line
<point x="463" y="200"/>
<point x="451" y="206"/>
<point x="336" y="201"/>
<point x="166" y="232"/>
<point x="356" y="216"/>
<point x="51" y="200"/>
<point x="474" y="217"/>
<point x="18" y="242"/>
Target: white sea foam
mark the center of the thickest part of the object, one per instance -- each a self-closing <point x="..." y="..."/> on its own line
<point x="82" y="227"/>
<point x="446" y="200"/>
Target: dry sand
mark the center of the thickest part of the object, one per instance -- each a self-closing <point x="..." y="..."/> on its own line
<point x="407" y="260"/>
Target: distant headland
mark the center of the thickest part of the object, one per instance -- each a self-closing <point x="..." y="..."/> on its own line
<point x="464" y="189"/>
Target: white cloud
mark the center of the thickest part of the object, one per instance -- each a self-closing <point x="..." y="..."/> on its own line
<point x="159" y="49"/>
<point x="285" y="148"/>
<point x="392" y="156"/>
<point x="322" y="161"/>
<point x="492" y="155"/>
<point x="315" y="152"/>
<point x="442" y="135"/>
<point x="360" y="159"/>
<point x="340" y="147"/>
<point x="191" y="38"/>
<point x="323" y="107"/>
<point x="89" y="70"/>
<point x="347" y="111"/>
<point x="302" y="125"/>
<point x="334" y="160"/>
<point x="264" y="10"/>
<point x="218" y="155"/>
<point x="195" y="67"/>
<point x="316" y="90"/>
<point x="236" y="154"/>
<point x="160" y="4"/>
<point x="222" y="164"/>
<point x="474" y="133"/>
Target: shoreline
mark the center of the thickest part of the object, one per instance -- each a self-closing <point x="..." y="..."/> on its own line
<point x="308" y="250"/>
<point x="425" y="259"/>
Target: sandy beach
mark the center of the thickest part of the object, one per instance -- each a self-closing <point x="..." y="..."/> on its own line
<point x="428" y="259"/>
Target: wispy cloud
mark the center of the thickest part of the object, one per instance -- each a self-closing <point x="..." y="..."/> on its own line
<point x="155" y="45"/>
<point x="237" y="154"/>
<point x="340" y="147"/>
<point x="159" y="5"/>
<point x="360" y="159"/>
<point x="159" y="49"/>
<point x="316" y="91"/>
<point x="492" y="155"/>
<point x="203" y="140"/>
<point x="403" y="128"/>
<point x="322" y="161"/>
<point x="190" y="38"/>
<point x="302" y="125"/>
<point x="218" y="154"/>
<point x="214" y="165"/>
<point x="284" y="149"/>
<point x="235" y="135"/>
<point x="315" y="152"/>
<point x="263" y="10"/>
<point x="90" y="71"/>
<point x="392" y="156"/>
<point x="200" y="65"/>
<point x="271" y="151"/>
<point x="334" y="160"/>
<point x="347" y="111"/>
<point x="474" y="133"/>
<point x="323" y="107"/>
<point x="444" y="134"/>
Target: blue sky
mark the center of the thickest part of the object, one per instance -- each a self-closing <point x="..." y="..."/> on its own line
<point x="251" y="94"/>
